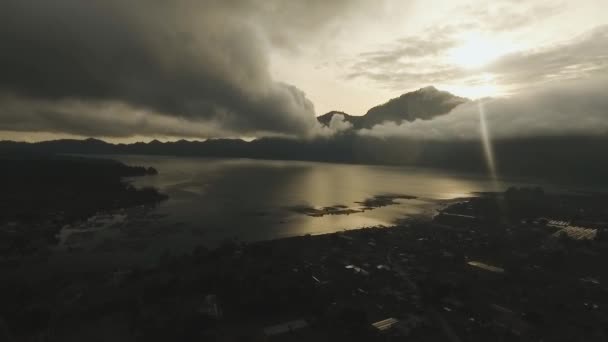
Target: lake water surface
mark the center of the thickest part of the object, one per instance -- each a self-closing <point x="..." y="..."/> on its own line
<point x="211" y="200"/>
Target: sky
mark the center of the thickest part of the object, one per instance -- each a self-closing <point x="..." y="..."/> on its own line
<point x="128" y="70"/>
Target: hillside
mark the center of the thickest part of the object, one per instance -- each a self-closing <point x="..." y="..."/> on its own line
<point x="422" y="104"/>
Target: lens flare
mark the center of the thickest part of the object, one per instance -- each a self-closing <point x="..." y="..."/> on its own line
<point x="488" y="151"/>
<point x="486" y="142"/>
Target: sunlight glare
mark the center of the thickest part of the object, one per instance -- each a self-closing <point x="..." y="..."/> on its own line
<point x="477" y="51"/>
<point x="479" y="91"/>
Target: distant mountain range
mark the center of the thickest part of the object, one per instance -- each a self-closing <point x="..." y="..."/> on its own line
<point x="575" y="159"/>
<point x="423" y="104"/>
<point x="560" y="159"/>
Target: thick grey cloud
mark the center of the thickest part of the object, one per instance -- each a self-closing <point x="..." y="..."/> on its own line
<point x="571" y="108"/>
<point x="108" y="118"/>
<point x="191" y="61"/>
<point x="295" y="24"/>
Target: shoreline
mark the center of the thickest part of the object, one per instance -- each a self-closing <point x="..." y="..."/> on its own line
<point x="47" y="193"/>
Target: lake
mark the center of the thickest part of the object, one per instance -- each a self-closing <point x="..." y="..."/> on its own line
<point x="211" y="200"/>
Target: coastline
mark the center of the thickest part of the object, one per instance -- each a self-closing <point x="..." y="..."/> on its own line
<point x="43" y="194"/>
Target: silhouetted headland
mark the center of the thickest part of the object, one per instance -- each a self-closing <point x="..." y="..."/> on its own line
<point x="41" y="193"/>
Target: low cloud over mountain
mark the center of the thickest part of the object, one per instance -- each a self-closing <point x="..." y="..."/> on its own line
<point x="565" y="109"/>
<point x="422" y="104"/>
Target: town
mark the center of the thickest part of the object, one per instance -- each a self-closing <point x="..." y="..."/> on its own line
<point x="515" y="266"/>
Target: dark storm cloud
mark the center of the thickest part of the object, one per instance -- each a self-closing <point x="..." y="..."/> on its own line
<point x="289" y="24"/>
<point x="109" y="119"/>
<point x="197" y="61"/>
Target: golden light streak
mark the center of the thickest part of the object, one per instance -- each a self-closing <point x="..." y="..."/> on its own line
<point x="488" y="151"/>
<point x="486" y="142"/>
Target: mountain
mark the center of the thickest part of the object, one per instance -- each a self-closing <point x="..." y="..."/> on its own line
<point x="422" y="104"/>
<point x="516" y="157"/>
<point x="325" y="119"/>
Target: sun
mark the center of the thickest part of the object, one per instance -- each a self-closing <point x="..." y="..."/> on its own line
<point x="477" y="51"/>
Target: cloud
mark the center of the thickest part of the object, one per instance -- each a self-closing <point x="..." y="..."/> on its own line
<point x="338" y="123"/>
<point x="580" y="57"/>
<point x="425" y="59"/>
<point x="201" y="68"/>
<point x="187" y="64"/>
<point x="292" y="25"/>
<point x="573" y="108"/>
<point x="509" y="15"/>
<point x="107" y="118"/>
<point x="414" y="60"/>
